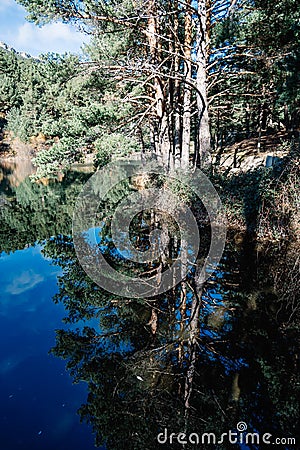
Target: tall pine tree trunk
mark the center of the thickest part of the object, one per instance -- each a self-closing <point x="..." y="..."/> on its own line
<point x="202" y="102"/>
<point x="186" y="120"/>
<point x="177" y="118"/>
<point x="163" y="145"/>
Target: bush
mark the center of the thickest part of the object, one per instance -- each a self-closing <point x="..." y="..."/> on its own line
<point x="57" y="158"/>
<point x="113" y="145"/>
<point x="19" y="123"/>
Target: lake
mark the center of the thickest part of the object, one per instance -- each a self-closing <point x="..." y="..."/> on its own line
<point x="134" y="371"/>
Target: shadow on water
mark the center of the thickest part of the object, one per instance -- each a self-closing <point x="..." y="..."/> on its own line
<point x="152" y="368"/>
<point x="178" y="362"/>
<point x="144" y="379"/>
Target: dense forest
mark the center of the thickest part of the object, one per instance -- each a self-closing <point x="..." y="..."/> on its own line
<point x="180" y="80"/>
<point x="211" y="85"/>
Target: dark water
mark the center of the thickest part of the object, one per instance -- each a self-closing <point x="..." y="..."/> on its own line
<point x="38" y="401"/>
<point x="142" y="368"/>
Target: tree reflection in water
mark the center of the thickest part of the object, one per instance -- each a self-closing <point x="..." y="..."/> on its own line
<point x="189" y="361"/>
<point x="181" y="361"/>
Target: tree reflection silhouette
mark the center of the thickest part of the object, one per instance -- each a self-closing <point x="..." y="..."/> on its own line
<point x="186" y="361"/>
<point x="151" y="366"/>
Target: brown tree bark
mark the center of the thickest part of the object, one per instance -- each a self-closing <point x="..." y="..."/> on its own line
<point x="163" y="145"/>
<point x="186" y="120"/>
<point x="176" y="110"/>
<point x="202" y="101"/>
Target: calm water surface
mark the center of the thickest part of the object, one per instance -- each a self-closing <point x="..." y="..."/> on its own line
<point x="38" y="401"/>
<point x="140" y="368"/>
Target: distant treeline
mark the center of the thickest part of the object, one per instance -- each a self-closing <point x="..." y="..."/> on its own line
<point x="183" y="81"/>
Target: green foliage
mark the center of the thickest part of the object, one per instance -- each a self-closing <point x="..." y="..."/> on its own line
<point x="9" y="77"/>
<point x="255" y="71"/>
<point x="55" y="159"/>
<point x="264" y="200"/>
<point x="19" y="123"/>
<point x="34" y="212"/>
<point x="115" y="144"/>
<point x="75" y="111"/>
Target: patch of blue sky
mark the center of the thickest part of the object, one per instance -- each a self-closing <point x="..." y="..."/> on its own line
<point x="22" y="272"/>
<point x="26" y="37"/>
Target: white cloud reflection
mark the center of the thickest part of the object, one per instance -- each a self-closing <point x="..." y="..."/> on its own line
<point x="26" y="281"/>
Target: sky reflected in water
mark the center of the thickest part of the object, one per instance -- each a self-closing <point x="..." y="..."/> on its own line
<point x="38" y="402"/>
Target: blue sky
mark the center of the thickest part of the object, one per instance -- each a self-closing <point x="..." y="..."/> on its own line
<point x="27" y="37"/>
